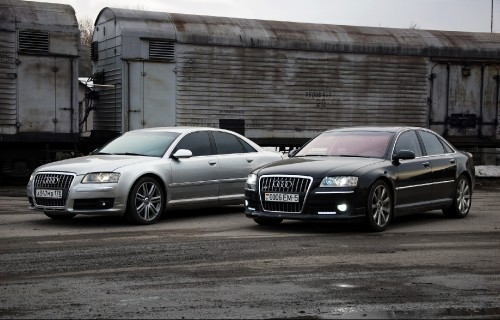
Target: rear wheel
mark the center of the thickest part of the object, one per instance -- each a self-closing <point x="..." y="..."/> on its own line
<point x="267" y="221"/>
<point x="379" y="207"/>
<point x="462" y="199"/>
<point x="145" y="202"/>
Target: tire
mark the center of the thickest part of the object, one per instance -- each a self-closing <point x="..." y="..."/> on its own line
<point x="267" y="221"/>
<point x="65" y="216"/>
<point x="462" y="199"/>
<point x="145" y="202"/>
<point x="379" y="207"/>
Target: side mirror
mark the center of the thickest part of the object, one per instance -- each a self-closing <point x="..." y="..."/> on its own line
<point x="403" y="155"/>
<point x="182" y="154"/>
<point x="293" y="152"/>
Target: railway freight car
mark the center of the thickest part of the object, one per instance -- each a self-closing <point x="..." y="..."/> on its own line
<point x="281" y="83"/>
<point x="39" y="48"/>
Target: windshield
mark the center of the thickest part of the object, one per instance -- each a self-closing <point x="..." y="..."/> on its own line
<point x="152" y="144"/>
<point x="348" y="144"/>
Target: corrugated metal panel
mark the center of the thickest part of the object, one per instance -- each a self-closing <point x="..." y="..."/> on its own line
<point x="108" y="113"/>
<point x="8" y="113"/>
<point x="33" y="15"/>
<point x="283" y="93"/>
<point x="161" y="50"/>
<point x="33" y="41"/>
<point x="225" y="31"/>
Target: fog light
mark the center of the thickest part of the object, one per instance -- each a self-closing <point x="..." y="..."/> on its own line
<point x="342" y="207"/>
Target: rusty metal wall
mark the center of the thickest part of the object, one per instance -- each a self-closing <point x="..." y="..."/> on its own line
<point x="278" y="81"/>
<point x="39" y="48"/>
<point x="8" y="88"/>
<point x="8" y="93"/>
<point x="285" y="94"/>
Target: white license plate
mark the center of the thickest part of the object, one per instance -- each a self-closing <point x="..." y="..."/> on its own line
<point x="282" y="197"/>
<point x="47" y="193"/>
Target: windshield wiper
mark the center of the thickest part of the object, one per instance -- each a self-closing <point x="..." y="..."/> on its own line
<point x="129" y="154"/>
<point x="351" y="156"/>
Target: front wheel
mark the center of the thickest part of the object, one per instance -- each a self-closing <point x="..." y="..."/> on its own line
<point x="145" y="202"/>
<point x="462" y="199"/>
<point x="379" y="207"/>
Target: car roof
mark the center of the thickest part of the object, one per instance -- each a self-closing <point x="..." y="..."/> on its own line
<point x="392" y="129"/>
<point x="180" y="129"/>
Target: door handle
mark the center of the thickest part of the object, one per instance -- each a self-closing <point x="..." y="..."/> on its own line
<point x="426" y="164"/>
<point x="452" y="161"/>
<point x="212" y="162"/>
<point x="249" y="160"/>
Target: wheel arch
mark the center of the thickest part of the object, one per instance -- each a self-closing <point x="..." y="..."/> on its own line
<point x="158" y="179"/>
<point x="392" y="189"/>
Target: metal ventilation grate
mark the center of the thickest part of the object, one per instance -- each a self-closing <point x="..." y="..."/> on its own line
<point x="34" y="41"/>
<point x="161" y="50"/>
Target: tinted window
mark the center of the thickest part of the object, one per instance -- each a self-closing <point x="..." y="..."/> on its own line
<point x="248" y="148"/>
<point x="408" y="140"/>
<point x="348" y="144"/>
<point x="197" y="142"/>
<point x="227" y="143"/>
<point x="431" y="143"/>
<point x="141" y="143"/>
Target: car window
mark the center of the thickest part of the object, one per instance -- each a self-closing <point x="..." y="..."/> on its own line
<point x="141" y="143"/>
<point x="431" y="142"/>
<point x="197" y="142"/>
<point x="227" y="143"/>
<point x="408" y="140"/>
<point x="348" y="144"/>
<point x="446" y="146"/>
<point x="248" y="148"/>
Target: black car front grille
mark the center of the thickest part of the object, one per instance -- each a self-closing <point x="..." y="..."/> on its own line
<point x="52" y="181"/>
<point x="288" y="186"/>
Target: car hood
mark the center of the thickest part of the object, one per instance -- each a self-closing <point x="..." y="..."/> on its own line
<point x="94" y="163"/>
<point x="318" y="167"/>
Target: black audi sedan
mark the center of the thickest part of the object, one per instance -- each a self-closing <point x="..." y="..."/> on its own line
<point x="363" y="174"/>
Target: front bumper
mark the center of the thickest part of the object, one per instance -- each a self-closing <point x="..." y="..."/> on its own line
<point x="319" y="205"/>
<point x="89" y="199"/>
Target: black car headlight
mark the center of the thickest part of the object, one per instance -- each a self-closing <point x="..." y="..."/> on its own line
<point x="339" y="181"/>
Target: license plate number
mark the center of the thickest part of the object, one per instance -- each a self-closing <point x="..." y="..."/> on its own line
<point x="282" y="197"/>
<point x="47" y="193"/>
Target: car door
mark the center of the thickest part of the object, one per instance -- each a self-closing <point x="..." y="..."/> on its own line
<point x="236" y="162"/>
<point x="443" y="166"/>
<point x="414" y="180"/>
<point x="195" y="179"/>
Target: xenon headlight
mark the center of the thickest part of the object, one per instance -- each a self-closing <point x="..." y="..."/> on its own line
<point x="251" y="183"/>
<point x="101" y="177"/>
<point x="341" y="181"/>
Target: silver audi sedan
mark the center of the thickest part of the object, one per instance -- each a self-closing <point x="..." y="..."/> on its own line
<point x="142" y="173"/>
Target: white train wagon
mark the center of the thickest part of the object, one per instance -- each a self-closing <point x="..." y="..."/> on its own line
<point x="39" y="52"/>
<point x="281" y="83"/>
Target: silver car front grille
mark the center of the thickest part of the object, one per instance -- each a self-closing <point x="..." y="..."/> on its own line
<point x="284" y="185"/>
<point x="52" y="181"/>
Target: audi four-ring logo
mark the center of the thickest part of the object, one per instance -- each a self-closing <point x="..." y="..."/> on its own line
<point x="282" y="184"/>
<point x="51" y="180"/>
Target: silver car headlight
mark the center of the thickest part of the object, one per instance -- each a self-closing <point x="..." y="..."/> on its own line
<point x="251" y="183"/>
<point x="101" y="177"/>
<point x="340" y="181"/>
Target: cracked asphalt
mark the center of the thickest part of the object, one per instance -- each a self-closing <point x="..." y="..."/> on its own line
<point x="216" y="263"/>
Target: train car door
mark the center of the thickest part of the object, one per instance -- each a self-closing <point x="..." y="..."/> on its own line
<point x="45" y="94"/>
<point x="151" y="95"/>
